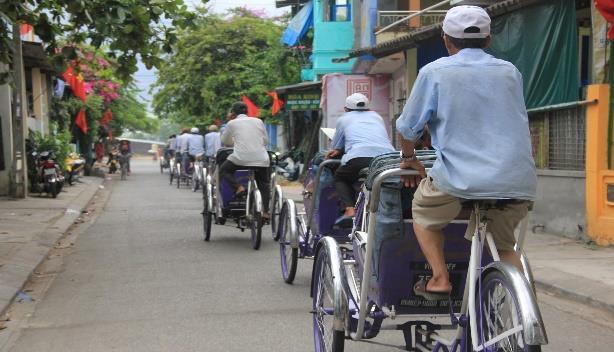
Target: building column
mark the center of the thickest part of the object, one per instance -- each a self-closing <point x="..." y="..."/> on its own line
<point x="599" y="179"/>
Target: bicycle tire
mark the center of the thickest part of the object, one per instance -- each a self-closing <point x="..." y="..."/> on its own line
<point x="275" y="215"/>
<point x="288" y="255"/>
<point x="255" y="223"/>
<point x="336" y="341"/>
<point x="495" y="280"/>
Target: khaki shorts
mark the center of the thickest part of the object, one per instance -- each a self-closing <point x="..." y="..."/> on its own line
<point x="434" y="210"/>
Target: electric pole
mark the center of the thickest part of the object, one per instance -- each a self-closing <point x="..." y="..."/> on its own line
<point x="19" y="174"/>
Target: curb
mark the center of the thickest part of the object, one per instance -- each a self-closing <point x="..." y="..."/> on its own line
<point x="14" y="274"/>
<point x="576" y="288"/>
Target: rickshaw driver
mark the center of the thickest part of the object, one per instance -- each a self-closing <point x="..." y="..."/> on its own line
<point x="360" y="135"/>
<point x="196" y="145"/>
<point x="474" y="107"/>
<point x="249" y="138"/>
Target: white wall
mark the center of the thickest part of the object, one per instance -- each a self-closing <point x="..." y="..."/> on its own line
<point x="7" y="136"/>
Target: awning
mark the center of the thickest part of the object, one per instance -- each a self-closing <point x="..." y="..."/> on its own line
<point x="284" y="3"/>
<point x="35" y="56"/>
<point x="299" y="87"/>
<point x="299" y="25"/>
<point x="413" y="38"/>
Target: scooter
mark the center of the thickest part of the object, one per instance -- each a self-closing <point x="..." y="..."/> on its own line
<point x="74" y="165"/>
<point x="49" y="177"/>
<point x="290" y="164"/>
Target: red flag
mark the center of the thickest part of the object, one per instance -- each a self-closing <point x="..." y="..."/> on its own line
<point x="25" y="29"/>
<point x="606" y="8"/>
<point x="75" y="82"/>
<point x="106" y="117"/>
<point x="252" y="109"/>
<point x="81" y="120"/>
<point x="277" y="103"/>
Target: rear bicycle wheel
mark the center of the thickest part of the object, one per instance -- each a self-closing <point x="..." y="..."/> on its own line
<point x="276" y="206"/>
<point x="179" y="175"/>
<point x="195" y="182"/>
<point x="207" y="218"/>
<point x="325" y="337"/>
<point x="287" y="254"/>
<point x="172" y="174"/>
<point x="256" y="221"/>
<point x="499" y="319"/>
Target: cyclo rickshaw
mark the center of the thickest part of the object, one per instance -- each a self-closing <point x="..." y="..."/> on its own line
<point x="220" y="203"/>
<point x="356" y="287"/>
<point x="299" y="232"/>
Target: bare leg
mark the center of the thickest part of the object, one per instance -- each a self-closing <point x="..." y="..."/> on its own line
<point x="511" y="257"/>
<point x="431" y="243"/>
<point x="349" y="212"/>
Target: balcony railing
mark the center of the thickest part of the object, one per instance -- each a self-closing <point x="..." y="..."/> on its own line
<point x="386" y="18"/>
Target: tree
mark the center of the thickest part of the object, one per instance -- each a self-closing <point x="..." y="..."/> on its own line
<point x="126" y="29"/>
<point x="217" y="61"/>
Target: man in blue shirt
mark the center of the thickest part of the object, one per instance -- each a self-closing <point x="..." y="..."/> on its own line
<point x="212" y="141"/>
<point x="474" y="107"/>
<point x="360" y="135"/>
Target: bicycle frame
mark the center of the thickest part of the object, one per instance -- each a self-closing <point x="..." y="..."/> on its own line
<point x="532" y="323"/>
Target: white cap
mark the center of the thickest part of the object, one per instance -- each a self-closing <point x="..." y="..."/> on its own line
<point x="357" y="101"/>
<point x="194" y="130"/>
<point x="459" y="18"/>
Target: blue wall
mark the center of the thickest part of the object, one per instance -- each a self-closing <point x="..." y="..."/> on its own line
<point x="331" y="40"/>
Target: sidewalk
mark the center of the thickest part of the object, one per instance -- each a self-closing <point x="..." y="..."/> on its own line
<point x="569" y="268"/>
<point x="30" y="227"/>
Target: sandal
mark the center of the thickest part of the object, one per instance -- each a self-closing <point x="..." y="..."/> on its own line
<point x="420" y="290"/>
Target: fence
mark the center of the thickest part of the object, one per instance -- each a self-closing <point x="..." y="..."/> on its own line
<point x="386" y="18"/>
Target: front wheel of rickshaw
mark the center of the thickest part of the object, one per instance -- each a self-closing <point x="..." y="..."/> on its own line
<point x="500" y="316"/>
<point x="256" y="219"/>
<point x="276" y="206"/>
<point x="287" y="254"/>
<point x="326" y="337"/>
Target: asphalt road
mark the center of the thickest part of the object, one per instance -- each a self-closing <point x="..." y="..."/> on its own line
<point x="141" y="278"/>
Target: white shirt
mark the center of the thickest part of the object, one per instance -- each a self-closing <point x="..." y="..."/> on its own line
<point x="249" y="139"/>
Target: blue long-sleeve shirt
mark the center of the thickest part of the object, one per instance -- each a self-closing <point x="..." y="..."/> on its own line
<point x="361" y="134"/>
<point x="474" y="106"/>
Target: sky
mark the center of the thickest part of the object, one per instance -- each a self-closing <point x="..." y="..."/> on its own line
<point x="145" y="78"/>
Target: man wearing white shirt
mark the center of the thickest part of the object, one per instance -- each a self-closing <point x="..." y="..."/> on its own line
<point x="248" y="137"/>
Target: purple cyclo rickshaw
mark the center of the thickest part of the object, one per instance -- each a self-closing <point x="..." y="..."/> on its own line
<point x="298" y="233"/>
<point x="221" y="204"/>
<point x="361" y="286"/>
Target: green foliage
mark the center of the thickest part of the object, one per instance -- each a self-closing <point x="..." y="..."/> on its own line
<point x="131" y="114"/>
<point x="126" y="28"/>
<point x="219" y="60"/>
<point x="57" y="142"/>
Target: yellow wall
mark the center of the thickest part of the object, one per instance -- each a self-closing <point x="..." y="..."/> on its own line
<point x="599" y="210"/>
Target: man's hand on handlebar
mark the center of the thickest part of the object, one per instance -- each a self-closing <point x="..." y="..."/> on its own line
<point x="333" y="153"/>
<point x="414" y="164"/>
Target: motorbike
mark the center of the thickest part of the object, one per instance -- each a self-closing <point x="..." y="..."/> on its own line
<point x="74" y="165"/>
<point x="49" y="178"/>
<point x="113" y="162"/>
<point x="290" y="164"/>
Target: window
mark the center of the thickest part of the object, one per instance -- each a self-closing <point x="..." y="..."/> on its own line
<point x="337" y="10"/>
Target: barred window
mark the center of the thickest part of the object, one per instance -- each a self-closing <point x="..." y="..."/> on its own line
<point x="559" y="139"/>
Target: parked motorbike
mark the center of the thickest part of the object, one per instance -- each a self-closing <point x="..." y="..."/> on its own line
<point x="74" y="165"/>
<point x="290" y="164"/>
<point x="49" y="177"/>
